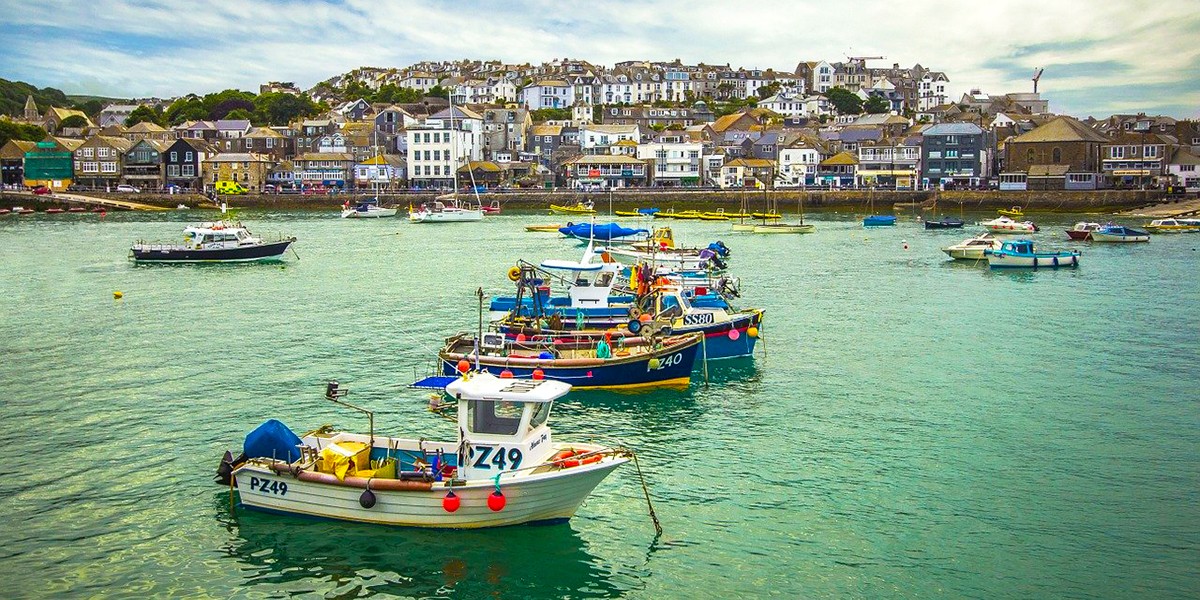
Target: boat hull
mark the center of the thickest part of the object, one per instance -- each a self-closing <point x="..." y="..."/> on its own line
<point x="879" y="221"/>
<point x="1041" y="260"/>
<point x="553" y="496"/>
<point x="673" y="369"/>
<point x="944" y="224"/>
<point x="783" y="228"/>
<point x="1100" y="236"/>
<point x="464" y="216"/>
<point x="157" y="253"/>
<point x="377" y="213"/>
<point x="719" y="342"/>
<point x="1079" y="235"/>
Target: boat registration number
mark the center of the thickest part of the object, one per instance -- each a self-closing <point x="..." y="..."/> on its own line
<point x="268" y="486"/>
<point x="703" y="318"/>
<point x="502" y="458"/>
<point x="670" y="361"/>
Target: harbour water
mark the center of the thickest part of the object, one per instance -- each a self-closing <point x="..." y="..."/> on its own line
<point x="910" y="428"/>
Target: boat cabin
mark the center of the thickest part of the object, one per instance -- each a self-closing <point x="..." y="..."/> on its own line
<point x="503" y="422"/>
<point x="216" y="236"/>
<point x="1018" y="247"/>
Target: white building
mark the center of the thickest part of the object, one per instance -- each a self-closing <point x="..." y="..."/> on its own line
<point x="932" y="90"/>
<point x="436" y="148"/>
<point x="548" y="93"/>
<point x="592" y="136"/>
<point x="674" y="164"/>
<point x="797" y="165"/>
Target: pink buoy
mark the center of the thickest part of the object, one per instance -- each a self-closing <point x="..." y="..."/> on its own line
<point x="734" y="334"/>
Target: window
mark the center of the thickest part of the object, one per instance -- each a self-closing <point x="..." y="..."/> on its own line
<point x="1187" y="168"/>
<point x="1057" y="154"/>
<point x="188" y="170"/>
<point x="1116" y="152"/>
<point x="1079" y="177"/>
<point x="270" y="142"/>
<point x="86" y="152"/>
<point x="108" y="167"/>
<point x="1150" y="152"/>
<point x="1029" y="156"/>
<point x="494" y="417"/>
<point x="952" y="154"/>
<point x="172" y="170"/>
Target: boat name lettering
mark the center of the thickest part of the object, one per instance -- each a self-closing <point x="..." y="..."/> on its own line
<point x="268" y="486"/>
<point x="671" y="360"/>
<point x="503" y="458"/>
<point x="538" y="442"/>
<point x="703" y="318"/>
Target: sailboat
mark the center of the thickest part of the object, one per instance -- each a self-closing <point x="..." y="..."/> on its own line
<point x="369" y="209"/>
<point x="446" y="208"/>
<point x="780" y="227"/>
<point x="877" y="220"/>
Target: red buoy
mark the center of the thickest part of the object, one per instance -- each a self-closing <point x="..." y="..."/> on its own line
<point x="520" y="338"/>
<point x="463" y="366"/>
<point x="496" y="501"/>
<point x="506" y="374"/>
<point x="539" y="374"/>
<point x="451" y="502"/>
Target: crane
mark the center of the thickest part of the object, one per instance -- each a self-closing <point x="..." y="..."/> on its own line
<point x="1036" y="76"/>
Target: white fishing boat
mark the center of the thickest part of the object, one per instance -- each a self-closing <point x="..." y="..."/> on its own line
<point x="784" y="228"/>
<point x="1020" y="254"/>
<point x="1007" y="225"/>
<point x="973" y="248"/>
<point x="504" y="469"/>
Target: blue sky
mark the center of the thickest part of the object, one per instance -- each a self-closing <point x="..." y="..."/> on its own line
<point x="1100" y="57"/>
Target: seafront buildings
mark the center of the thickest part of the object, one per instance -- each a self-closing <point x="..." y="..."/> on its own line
<point x="571" y="123"/>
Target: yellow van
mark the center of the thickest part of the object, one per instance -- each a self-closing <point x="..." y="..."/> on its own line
<point x="230" y="188"/>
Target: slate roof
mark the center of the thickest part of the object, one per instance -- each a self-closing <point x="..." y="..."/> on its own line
<point x="839" y="159"/>
<point x="1061" y="129"/>
<point x="952" y="129"/>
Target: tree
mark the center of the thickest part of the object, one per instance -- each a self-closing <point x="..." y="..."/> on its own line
<point x="20" y="131"/>
<point x="240" y="113"/>
<point x="542" y="115"/>
<point x="438" y="91"/>
<point x="74" y="121"/>
<point x="766" y="91"/>
<point x="876" y="105"/>
<point x="189" y="108"/>
<point x="845" y="101"/>
<point x="281" y="109"/>
<point x="222" y="109"/>
<point x="90" y="107"/>
<point x="144" y="114"/>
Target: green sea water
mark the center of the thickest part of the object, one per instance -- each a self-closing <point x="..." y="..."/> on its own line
<point x="909" y="428"/>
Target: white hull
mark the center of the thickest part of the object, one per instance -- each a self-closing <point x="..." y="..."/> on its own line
<point x="665" y="259"/>
<point x="783" y="228"/>
<point x="1098" y="236"/>
<point x="1014" y="228"/>
<point x="373" y="213"/>
<point x="1008" y="261"/>
<point x="448" y="216"/>
<point x="550" y="496"/>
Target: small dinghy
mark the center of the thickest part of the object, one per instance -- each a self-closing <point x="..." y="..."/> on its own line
<point x="1007" y="225"/>
<point x="504" y="469"/>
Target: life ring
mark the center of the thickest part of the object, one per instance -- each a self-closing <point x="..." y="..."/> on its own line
<point x="634" y="312"/>
<point x="567" y="458"/>
<point x="634" y="326"/>
<point x="514" y="273"/>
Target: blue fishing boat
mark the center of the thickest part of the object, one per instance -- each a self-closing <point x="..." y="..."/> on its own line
<point x="644" y="362"/>
<point x="1019" y="254"/>
<point x="1120" y="233"/>
<point x="879" y="221"/>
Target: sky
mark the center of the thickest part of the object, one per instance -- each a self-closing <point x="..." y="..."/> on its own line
<point x="1100" y="57"/>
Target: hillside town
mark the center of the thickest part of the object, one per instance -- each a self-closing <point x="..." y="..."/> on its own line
<point x="572" y="124"/>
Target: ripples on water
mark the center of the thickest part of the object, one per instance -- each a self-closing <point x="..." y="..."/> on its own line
<point x="914" y="428"/>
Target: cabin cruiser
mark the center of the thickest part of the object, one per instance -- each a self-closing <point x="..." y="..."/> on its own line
<point x="218" y="241"/>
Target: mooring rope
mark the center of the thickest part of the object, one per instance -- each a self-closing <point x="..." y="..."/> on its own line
<point x="658" y="530"/>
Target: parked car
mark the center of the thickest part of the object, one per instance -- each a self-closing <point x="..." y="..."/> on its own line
<point x="128" y="189"/>
<point x="41" y="190"/>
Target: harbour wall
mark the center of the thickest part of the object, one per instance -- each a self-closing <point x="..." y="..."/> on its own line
<point x="788" y="201"/>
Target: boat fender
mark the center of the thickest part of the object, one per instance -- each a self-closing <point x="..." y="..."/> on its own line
<point x="1075" y="261"/>
<point x="1035" y="265"/>
<point x="451" y="502"/>
<point x="367" y="499"/>
<point x="514" y="273"/>
<point x="635" y="326"/>
<point x="496" y="500"/>
<point x="1056" y="261"/>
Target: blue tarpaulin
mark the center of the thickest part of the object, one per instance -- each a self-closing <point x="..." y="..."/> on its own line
<point x="272" y="439"/>
<point x="607" y="231"/>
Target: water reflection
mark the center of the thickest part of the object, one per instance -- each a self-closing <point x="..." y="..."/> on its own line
<point x="283" y="554"/>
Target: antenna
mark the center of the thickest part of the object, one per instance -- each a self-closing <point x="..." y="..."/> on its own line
<point x="1036" y="76"/>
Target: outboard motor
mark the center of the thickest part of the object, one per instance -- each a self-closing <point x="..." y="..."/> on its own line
<point x="225" y="469"/>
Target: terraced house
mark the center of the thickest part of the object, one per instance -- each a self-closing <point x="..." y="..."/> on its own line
<point x="144" y="166"/>
<point x="99" y="162"/>
<point x="248" y="169"/>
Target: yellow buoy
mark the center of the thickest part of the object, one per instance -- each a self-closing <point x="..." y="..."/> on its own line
<point x="117" y="295"/>
<point x="752" y="331"/>
<point x="653" y="364"/>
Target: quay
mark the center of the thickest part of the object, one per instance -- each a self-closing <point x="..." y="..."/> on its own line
<point x="785" y="200"/>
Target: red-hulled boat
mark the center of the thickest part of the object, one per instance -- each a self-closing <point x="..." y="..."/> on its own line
<point x="1082" y="230"/>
